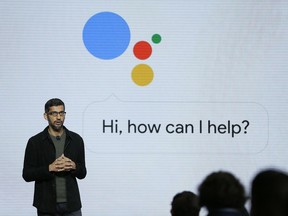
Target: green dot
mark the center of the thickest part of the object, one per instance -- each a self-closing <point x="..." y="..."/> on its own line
<point x="156" y="38"/>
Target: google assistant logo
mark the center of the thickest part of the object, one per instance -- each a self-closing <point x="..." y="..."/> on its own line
<point x="106" y="36"/>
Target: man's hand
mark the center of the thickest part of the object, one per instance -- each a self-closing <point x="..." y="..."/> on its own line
<point x="62" y="164"/>
<point x="68" y="164"/>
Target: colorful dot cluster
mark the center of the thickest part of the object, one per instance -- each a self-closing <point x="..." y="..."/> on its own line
<point x="106" y="35"/>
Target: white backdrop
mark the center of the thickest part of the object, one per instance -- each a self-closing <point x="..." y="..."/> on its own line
<point x="217" y="101"/>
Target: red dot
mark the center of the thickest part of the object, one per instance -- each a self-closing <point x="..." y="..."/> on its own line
<point x="142" y="50"/>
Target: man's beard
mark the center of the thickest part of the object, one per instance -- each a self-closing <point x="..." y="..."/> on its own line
<point x="56" y="128"/>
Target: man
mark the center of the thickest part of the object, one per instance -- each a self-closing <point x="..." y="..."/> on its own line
<point x="222" y="194"/>
<point x="185" y="203"/>
<point x="54" y="158"/>
<point x="269" y="191"/>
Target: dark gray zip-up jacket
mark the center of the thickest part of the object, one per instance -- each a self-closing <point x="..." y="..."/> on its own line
<point x="39" y="153"/>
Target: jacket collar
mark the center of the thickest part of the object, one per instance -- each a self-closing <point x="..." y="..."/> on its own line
<point x="224" y="211"/>
<point x="45" y="133"/>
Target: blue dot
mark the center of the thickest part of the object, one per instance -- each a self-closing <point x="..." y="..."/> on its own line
<point x="106" y="35"/>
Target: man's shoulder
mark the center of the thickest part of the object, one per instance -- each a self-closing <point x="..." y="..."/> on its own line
<point x="40" y="135"/>
<point x="72" y="134"/>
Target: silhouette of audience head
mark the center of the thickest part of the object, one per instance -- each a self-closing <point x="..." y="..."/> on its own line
<point x="222" y="190"/>
<point x="185" y="203"/>
<point x="269" y="193"/>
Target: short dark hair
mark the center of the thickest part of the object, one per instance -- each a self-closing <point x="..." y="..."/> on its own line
<point x="222" y="190"/>
<point x="185" y="203"/>
<point x="53" y="102"/>
<point x="270" y="193"/>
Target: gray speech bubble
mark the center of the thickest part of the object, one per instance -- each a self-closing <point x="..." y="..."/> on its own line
<point x="113" y="126"/>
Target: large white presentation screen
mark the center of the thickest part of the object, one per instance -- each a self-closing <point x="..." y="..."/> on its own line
<point x="162" y="92"/>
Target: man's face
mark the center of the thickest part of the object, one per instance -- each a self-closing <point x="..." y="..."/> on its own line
<point x="55" y="117"/>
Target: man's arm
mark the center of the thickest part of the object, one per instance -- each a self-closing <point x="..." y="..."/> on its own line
<point x="31" y="170"/>
<point x="79" y="165"/>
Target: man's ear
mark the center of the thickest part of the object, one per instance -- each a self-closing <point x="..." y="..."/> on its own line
<point x="45" y="116"/>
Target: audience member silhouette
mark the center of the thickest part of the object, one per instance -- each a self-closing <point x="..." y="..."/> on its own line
<point x="185" y="203"/>
<point x="222" y="194"/>
<point x="269" y="193"/>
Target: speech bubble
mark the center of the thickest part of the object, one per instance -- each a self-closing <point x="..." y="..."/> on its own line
<point x="113" y="126"/>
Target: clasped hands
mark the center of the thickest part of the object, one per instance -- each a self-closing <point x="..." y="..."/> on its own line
<point x="62" y="163"/>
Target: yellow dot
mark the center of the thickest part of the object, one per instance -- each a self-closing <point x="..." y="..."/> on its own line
<point x="142" y="74"/>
